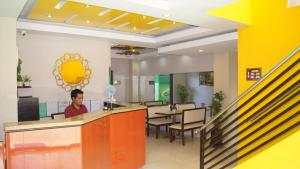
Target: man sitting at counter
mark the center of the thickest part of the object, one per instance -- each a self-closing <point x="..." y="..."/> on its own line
<point x="76" y="108"/>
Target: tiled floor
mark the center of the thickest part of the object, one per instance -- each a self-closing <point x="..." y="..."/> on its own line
<point x="161" y="154"/>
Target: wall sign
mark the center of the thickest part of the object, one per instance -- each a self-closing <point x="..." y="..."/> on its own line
<point x="151" y="82"/>
<point x="253" y="73"/>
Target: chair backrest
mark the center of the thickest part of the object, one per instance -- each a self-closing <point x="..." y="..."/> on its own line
<point x="185" y="106"/>
<point x="60" y="115"/>
<point x="152" y="110"/>
<point x="194" y="115"/>
<point x="153" y="103"/>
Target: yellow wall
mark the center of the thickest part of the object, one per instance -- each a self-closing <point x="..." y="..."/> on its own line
<point x="274" y="33"/>
<point x="286" y="150"/>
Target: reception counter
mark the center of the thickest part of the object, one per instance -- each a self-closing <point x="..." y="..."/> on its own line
<point x="1" y="155"/>
<point x="98" y="140"/>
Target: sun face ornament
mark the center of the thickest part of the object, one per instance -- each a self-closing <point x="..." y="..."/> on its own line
<point x="72" y="71"/>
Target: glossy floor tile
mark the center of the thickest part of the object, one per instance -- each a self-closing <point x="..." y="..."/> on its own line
<point x="161" y="154"/>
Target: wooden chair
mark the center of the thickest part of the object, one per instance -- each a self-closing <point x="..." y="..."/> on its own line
<point x="60" y="115"/>
<point x="153" y="103"/>
<point x="183" y="106"/>
<point x="153" y="119"/>
<point x="191" y="119"/>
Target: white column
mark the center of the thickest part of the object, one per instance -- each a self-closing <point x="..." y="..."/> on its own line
<point x="8" y="72"/>
<point x="225" y="75"/>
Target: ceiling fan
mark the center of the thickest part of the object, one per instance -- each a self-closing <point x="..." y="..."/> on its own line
<point x="127" y="50"/>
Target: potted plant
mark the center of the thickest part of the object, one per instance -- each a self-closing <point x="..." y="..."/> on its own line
<point x="216" y="107"/>
<point x="27" y="80"/>
<point x="19" y="77"/>
<point x="183" y="93"/>
<point x="19" y="81"/>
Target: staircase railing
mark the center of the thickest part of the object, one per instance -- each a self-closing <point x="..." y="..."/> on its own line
<point x="263" y="113"/>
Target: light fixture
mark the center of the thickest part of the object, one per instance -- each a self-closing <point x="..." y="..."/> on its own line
<point x="70" y="18"/>
<point x="174" y="22"/>
<point x="114" y="19"/>
<point x="134" y="28"/>
<point x="49" y="16"/>
<point x="150" y="30"/>
<point x="144" y="16"/>
<point x="104" y="12"/>
<point x="121" y="25"/>
<point x="200" y="50"/>
<point x="166" y="15"/>
<point x="87" y="5"/>
<point x="155" y="21"/>
<point x="88" y="21"/>
<point x="60" y="4"/>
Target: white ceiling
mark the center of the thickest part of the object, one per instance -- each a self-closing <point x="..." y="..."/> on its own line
<point x="227" y="46"/>
<point x="11" y="8"/>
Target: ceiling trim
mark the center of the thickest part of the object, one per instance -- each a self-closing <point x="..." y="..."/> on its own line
<point x="199" y="42"/>
<point x="61" y="28"/>
<point x="136" y="39"/>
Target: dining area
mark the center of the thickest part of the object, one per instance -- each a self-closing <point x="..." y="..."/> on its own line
<point x="175" y="119"/>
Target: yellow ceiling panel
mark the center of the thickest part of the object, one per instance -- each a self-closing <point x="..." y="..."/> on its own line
<point x="80" y="14"/>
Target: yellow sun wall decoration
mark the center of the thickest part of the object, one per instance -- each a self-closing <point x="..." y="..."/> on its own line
<point x="72" y="71"/>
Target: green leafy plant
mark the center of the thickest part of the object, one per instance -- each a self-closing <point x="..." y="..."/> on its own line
<point x="183" y="93"/>
<point x="19" y="76"/>
<point x="216" y="106"/>
<point x="26" y="78"/>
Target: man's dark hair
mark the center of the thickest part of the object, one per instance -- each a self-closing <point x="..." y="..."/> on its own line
<point x="75" y="92"/>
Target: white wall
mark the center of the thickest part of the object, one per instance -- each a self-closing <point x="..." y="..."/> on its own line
<point x="135" y="90"/>
<point x="121" y="69"/>
<point x="39" y="52"/>
<point x="8" y="71"/>
<point x="176" y="64"/>
<point x="178" y="79"/>
<point x="146" y="90"/>
<point x="199" y="93"/>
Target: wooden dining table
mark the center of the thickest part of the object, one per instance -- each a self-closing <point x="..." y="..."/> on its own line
<point x="171" y="113"/>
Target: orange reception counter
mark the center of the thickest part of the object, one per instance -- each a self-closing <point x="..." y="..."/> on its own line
<point x="99" y="140"/>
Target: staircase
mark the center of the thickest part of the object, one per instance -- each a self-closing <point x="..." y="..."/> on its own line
<point x="263" y="115"/>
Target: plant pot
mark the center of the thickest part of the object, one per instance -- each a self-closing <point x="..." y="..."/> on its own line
<point x="26" y="84"/>
<point x="216" y="137"/>
<point x="20" y="84"/>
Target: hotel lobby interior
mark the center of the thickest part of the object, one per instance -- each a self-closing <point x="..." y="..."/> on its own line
<point x="149" y="84"/>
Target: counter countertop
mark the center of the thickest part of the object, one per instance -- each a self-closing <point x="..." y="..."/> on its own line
<point x="73" y="121"/>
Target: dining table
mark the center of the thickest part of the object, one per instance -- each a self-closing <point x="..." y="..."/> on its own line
<point x="171" y="113"/>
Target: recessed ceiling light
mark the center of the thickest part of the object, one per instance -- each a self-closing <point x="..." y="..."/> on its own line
<point x="150" y="30"/>
<point x="166" y="15"/>
<point x="49" y="16"/>
<point x="60" y="4"/>
<point x="144" y="16"/>
<point x="104" y="12"/>
<point x="200" y="50"/>
<point x="155" y="21"/>
<point x="88" y="21"/>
